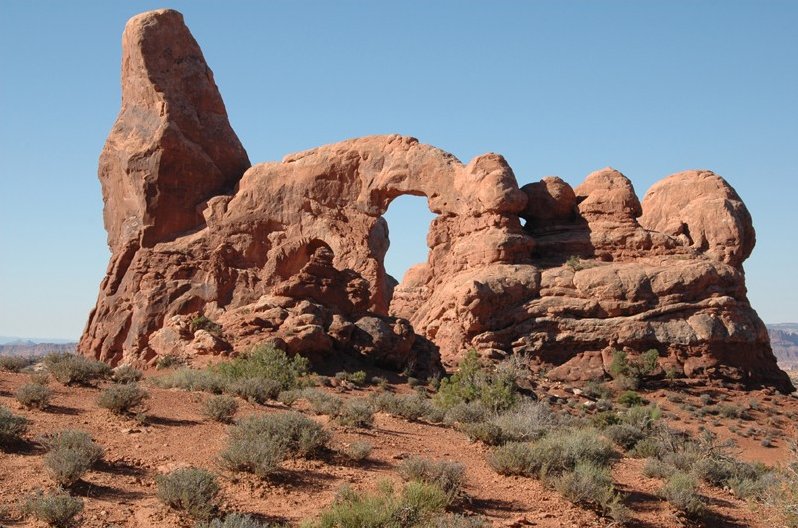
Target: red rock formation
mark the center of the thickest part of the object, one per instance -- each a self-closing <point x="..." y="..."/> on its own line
<point x="294" y="254"/>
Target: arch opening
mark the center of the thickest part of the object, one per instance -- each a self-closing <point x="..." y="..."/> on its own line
<point x="408" y="218"/>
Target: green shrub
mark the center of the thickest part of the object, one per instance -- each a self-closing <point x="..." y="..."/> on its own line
<point x="70" y="454"/>
<point x="34" y="395"/>
<point x="220" y="408"/>
<point x="12" y="427"/>
<point x="201" y="322"/>
<point x="56" y="508"/>
<point x="630" y="399"/>
<point x="486" y="432"/>
<point x="591" y="484"/>
<point x="70" y="369"/>
<point x="416" y="504"/>
<point x="235" y="520"/>
<point x="512" y="458"/>
<point x="288" y="397"/>
<point x="259" y="443"/>
<point x="122" y="398"/>
<point x="529" y="420"/>
<point x="358" y="378"/>
<point x="356" y="413"/>
<point x="192" y="490"/>
<point x="411" y="407"/>
<point x="255" y="390"/>
<point x="466" y="413"/>
<point x="496" y="389"/>
<point x="358" y="450"/>
<point x="323" y="402"/>
<point x="681" y="490"/>
<point x="597" y="389"/>
<point x="265" y="361"/>
<point x="14" y="363"/>
<point x="192" y="380"/>
<point x="448" y="476"/>
<point x="126" y="374"/>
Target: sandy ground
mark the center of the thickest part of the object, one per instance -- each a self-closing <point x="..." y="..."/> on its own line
<point x="121" y="491"/>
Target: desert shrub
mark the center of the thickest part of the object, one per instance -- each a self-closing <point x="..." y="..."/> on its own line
<point x="358" y="450"/>
<point x="288" y="397"/>
<point x="356" y="413"/>
<point x="259" y="443"/>
<point x="624" y="435"/>
<point x="191" y="380"/>
<point x="466" y="413"/>
<point x="512" y="458"/>
<point x="265" y="361"/>
<point x="527" y="421"/>
<point x="255" y="390"/>
<point x="496" y="389"/>
<point x="417" y="503"/>
<point x="14" y="363"/>
<point x="220" y="408"/>
<point x="486" y="432"/>
<point x="448" y="476"/>
<point x="12" y="427"/>
<point x="358" y="378"/>
<point x="126" y="374"/>
<point x="57" y="508"/>
<point x="706" y="399"/>
<point x="633" y="426"/>
<point x="455" y="520"/>
<point x="597" y="389"/>
<point x="235" y="520"/>
<point x="201" y="322"/>
<point x="34" y="395"/>
<point x="630" y="398"/>
<point x="70" y="369"/>
<point x="70" y="454"/>
<point x="40" y="377"/>
<point x="591" y="484"/>
<point x="681" y="491"/>
<point x="192" y="490"/>
<point x="168" y="361"/>
<point x="323" y="402"/>
<point x="122" y="398"/>
<point x="411" y="407"/>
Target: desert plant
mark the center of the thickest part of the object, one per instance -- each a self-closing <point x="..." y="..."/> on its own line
<point x="496" y="389"/>
<point x="255" y="390"/>
<point x="14" y="363"/>
<point x="12" y="427"/>
<point x="322" y="402"/>
<point x="34" y="395"/>
<point x="356" y="412"/>
<point x="235" y="520"/>
<point x="40" y="377"/>
<point x="448" y="476"/>
<point x="126" y="374"/>
<point x="192" y="380"/>
<point x="168" y="361"/>
<point x="472" y="412"/>
<point x="57" y="508"/>
<point x="192" y="490"/>
<point x="681" y="490"/>
<point x="70" y="454"/>
<point x="220" y="408"/>
<point x="630" y="398"/>
<point x="410" y="407"/>
<point x="70" y="369"/>
<point x="512" y="458"/>
<point x="357" y="378"/>
<point x="122" y="398"/>
<point x="265" y="361"/>
<point x="358" y="450"/>
<point x="201" y="322"/>
<point x="486" y="432"/>
<point x="529" y="420"/>
<point x="288" y="397"/>
<point x="591" y="484"/>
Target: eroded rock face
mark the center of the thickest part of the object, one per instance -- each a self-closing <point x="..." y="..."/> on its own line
<point x="293" y="254"/>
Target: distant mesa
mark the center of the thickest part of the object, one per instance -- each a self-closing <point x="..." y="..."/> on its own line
<point x="210" y="254"/>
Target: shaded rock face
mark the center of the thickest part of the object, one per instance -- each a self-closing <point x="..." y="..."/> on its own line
<point x="291" y="252"/>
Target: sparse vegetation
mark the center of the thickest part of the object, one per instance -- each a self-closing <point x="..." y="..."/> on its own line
<point x="57" y="508"/>
<point x="255" y="390"/>
<point x="220" y="408"/>
<point x="14" y="363"/>
<point x="681" y="490"/>
<point x="126" y="374"/>
<point x="200" y="322"/>
<point x="71" y="369"/>
<point x="448" y="476"/>
<point x="192" y="490"/>
<point x="266" y="362"/>
<point x="12" y="427"/>
<point x="496" y="389"/>
<point x="356" y="412"/>
<point x="322" y="402"/>
<point x="358" y="450"/>
<point x="591" y="484"/>
<point x="168" y="361"/>
<point x="235" y="520"/>
<point x="630" y="373"/>
<point x="70" y="454"/>
<point x="34" y="396"/>
<point x="357" y="378"/>
<point x="122" y="398"/>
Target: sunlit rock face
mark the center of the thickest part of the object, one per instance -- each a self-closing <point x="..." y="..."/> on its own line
<point x="291" y="252"/>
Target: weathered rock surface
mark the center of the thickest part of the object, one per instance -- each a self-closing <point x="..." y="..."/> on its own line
<point x="292" y="252"/>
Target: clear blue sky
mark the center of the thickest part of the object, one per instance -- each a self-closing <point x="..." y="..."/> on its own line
<point x="557" y="87"/>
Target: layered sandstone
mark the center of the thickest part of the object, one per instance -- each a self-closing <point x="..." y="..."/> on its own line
<point x="292" y="252"/>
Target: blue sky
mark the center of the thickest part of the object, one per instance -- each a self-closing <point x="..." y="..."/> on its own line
<point x="558" y="87"/>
